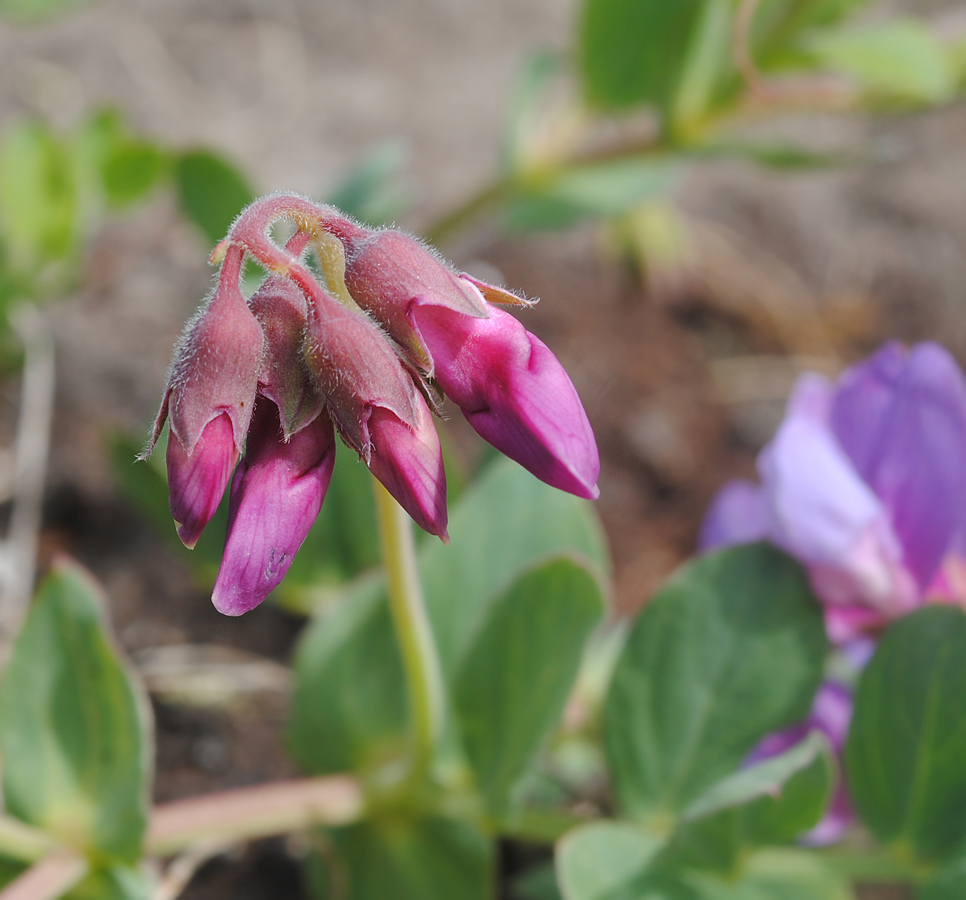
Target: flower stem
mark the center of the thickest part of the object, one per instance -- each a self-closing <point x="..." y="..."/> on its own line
<point x="50" y="878"/>
<point x="416" y="643"/>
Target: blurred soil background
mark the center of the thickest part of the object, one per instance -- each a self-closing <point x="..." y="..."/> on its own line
<point x="684" y="375"/>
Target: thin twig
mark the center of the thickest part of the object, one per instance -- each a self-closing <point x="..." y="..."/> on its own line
<point x="52" y="877"/>
<point x="183" y="868"/>
<point x="249" y="813"/>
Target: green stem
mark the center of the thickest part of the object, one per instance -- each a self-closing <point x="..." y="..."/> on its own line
<point x="23" y="842"/>
<point x="451" y="222"/>
<point x="416" y="643"/>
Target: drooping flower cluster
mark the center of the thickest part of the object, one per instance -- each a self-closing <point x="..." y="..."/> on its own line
<point x="865" y="484"/>
<point x="365" y="349"/>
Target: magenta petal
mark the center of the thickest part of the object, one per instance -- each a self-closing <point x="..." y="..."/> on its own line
<point x="276" y="495"/>
<point x="515" y="394"/>
<point x="409" y="464"/>
<point x="197" y="482"/>
<point x="736" y="516"/>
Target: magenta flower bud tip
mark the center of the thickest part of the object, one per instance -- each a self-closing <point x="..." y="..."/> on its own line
<point x="515" y="394"/>
<point x="409" y="464"/>
<point x="197" y="481"/>
<point x="276" y="495"/>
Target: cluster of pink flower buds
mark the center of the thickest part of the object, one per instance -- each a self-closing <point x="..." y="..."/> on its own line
<point x="366" y="349"/>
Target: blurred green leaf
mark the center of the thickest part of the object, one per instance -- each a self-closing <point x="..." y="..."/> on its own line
<point x="116" y="883"/>
<point x="600" y="860"/>
<point x="212" y="192"/>
<point x="796" y="808"/>
<point x="130" y="170"/>
<point x="349" y="710"/>
<point x="10" y="869"/>
<point x="502" y="525"/>
<point x="899" y="58"/>
<point x="764" y="778"/>
<point x="729" y="650"/>
<point x="538" y="883"/>
<point x="527" y="94"/>
<point x="708" y="72"/>
<point x="33" y="10"/>
<point x="779" y="24"/>
<point x="632" y="52"/>
<point x="514" y="681"/>
<point x="373" y="191"/>
<point x="431" y="859"/>
<point x="949" y="883"/>
<point x="778" y="874"/>
<point x="562" y="198"/>
<point x="38" y="195"/>
<point x="907" y="745"/>
<point x="74" y="727"/>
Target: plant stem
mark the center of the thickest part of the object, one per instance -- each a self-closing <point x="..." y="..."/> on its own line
<point x="450" y="222"/>
<point x="249" y="813"/>
<point x="416" y="643"/>
<point x="23" y="842"/>
<point x="50" y="878"/>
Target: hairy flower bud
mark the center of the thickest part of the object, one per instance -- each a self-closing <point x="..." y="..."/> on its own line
<point x="209" y="400"/>
<point x="378" y="409"/>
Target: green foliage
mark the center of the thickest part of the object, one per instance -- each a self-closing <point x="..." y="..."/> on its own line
<point x="599" y="860"/>
<point x="533" y="636"/>
<point x="908" y="739"/>
<point x="427" y="859"/>
<point x="900" y="59"/>
<point x="373" y="191"/>
<point x="632" y="52"/>
<point x="211" y="192"/>
<point x="74" y="728"/>
<point x="114" y="883"/>
<point x="35" y="10"/>
<point x="730" y="650"/>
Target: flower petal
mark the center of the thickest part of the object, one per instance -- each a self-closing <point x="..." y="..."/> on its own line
<point x="515" y="394"/>
<point x="736" y="516"/>
<point x="276" y="495"/>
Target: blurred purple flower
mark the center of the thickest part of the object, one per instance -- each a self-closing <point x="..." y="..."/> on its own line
<point x="359" y="353"/>
<point x="864" y="484"/>
<point x="831" y="714"/>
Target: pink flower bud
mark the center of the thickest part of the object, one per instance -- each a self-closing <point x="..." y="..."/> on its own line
<point x="276" y="495"/>
<point x="515" y="393"/>
<point x="209" y="398"/>
<point x="378" y="410"/>
<point x="197" y="482"/>
<point x="389" y="273"/>
<point x="283" y="377"/>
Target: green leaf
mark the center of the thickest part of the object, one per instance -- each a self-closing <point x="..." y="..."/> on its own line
<point x="513" y="684"/>
<point x="11" y="869"/>
<point x="349" y="707"/>
<point x="764" y="778"/>
<point x="116" y="883"/>
<point x="907" y="745"/>
<point x="600" y="860"/>
<point x="74" y="727"/>
<point x="899" y="58"/>
<point x="796" y="808"/>
<point x="502" y="525"/>
<point x="538" y="883"/>
<point x="38" y="195"/>
<point x="779" y="874"/>
<point x="212" y="192"/>
<point x="729" y="650"/>
<point x="432" y="859"/>
<point x="372" y="191"/>
<point x="632" y="51"/>
<point x="564" y="197"/>
<point x="130" y="170"/>
<point x="34" y="10"/>
<point x="948" y="884"/>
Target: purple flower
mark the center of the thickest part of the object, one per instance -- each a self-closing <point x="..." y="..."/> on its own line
<point x="366" y="350"/>
<point x="831" y="714"/>
<point x="864" y="485"/>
